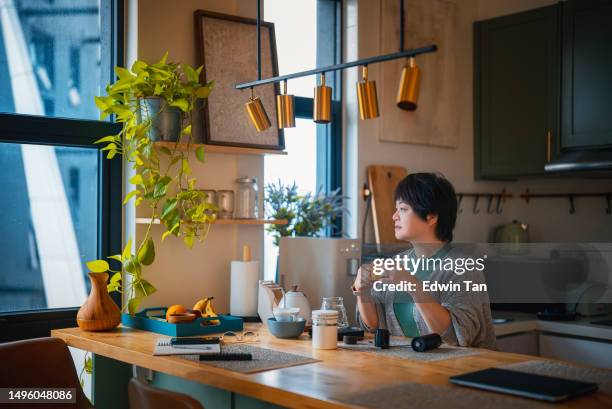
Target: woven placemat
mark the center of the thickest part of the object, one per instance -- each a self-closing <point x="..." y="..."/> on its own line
<point x="263" y="359"/>
<point x="602" y="377"/>
<point x="415" y="395"/>
<point x="400" y="348"/>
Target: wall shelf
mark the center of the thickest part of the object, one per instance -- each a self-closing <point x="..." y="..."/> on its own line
<point x="146" y="220"/>
<point x="232" y="150"/>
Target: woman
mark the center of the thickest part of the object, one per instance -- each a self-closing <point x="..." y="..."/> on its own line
<point x="425" y="216"/>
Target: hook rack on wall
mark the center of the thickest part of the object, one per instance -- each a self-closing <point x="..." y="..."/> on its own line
<point x="500" y="198"/>
<point x="570" y="197"/>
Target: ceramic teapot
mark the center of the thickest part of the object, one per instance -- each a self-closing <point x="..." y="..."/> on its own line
<point x="295" y="298"/>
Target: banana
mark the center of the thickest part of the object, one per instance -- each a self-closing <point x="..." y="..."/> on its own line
<point x="201" y="305"/>
<point x="208" y="311"/>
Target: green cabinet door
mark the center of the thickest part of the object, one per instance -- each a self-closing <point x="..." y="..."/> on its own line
<point x="587" y="74"/>
<point x="516" y="93"/>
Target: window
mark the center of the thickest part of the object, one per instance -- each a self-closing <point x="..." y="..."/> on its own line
<point x="50" y="222"/>
<point x="60" y="198"/>
<point x="308" y="36"/>
<point x="295" y="24"/>
<point x="43" y="49"/>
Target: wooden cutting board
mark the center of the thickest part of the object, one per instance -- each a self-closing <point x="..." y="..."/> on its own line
<point x="382" y="181"/>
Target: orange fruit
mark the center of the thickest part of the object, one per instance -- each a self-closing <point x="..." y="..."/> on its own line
<point x="175" y="309"/>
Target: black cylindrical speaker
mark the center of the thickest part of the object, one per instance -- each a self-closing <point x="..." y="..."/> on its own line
<point x="350" y="340"/>
<point x="381" y="338"/>
<point x="426" y="342"/>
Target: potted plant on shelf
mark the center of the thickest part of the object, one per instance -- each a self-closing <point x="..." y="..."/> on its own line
<point x="152" y="101"/>
<point x="307" y="215"/>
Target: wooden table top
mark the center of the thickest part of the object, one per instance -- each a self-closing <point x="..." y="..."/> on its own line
<point x="319" y="385"/>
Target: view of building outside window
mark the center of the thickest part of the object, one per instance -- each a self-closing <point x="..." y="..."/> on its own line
<point x="51" y="59"/>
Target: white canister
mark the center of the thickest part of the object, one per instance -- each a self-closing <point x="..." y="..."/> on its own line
<point x="324" y="329"/>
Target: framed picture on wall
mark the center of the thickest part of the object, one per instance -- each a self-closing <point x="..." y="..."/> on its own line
<point x="227" y="48"/>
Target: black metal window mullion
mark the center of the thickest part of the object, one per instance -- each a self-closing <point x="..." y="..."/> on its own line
<point x="110" y="212"/>
<point x="110" y="222"/>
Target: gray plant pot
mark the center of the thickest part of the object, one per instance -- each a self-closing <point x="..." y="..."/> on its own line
<point x="166" y="121"/>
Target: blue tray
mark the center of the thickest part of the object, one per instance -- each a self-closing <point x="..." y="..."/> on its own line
<point x="145" y="320"/>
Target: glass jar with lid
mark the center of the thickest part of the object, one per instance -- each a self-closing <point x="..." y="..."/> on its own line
<point x="337" y="304"/>
<point x="246" y="198"/>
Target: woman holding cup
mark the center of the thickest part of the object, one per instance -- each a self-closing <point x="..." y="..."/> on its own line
<point x="425" y="216"/>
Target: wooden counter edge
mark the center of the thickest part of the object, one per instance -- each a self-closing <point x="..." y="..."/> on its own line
<point x="244" y="384"/>
<point x="216" y="377"/>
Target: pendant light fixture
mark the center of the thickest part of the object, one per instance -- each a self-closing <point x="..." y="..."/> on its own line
<point x="407" y="96"/>
<point x="366" y="96"/>
<point x="322" y="102"/>
<point x="408" y="91"/>
<point x="254" y="106"/>
<point x="285" y="113"/>
<point x="257" y="113"/>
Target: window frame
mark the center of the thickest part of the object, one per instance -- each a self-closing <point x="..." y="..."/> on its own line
<point x="329" y="136"/>
<point x="54" y="131"/>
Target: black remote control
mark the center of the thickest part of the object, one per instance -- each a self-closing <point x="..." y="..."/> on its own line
<point x="229" y="356"/>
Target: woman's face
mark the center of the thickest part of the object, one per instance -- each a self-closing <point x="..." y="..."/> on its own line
<point x="409" y="226"/>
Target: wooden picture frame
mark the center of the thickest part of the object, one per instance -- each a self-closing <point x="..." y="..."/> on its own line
<point x="227" y="48"/>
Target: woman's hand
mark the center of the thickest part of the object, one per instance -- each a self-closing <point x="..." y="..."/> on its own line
<point x="363" y="279"/>
<point x="357" y="283"/>
<point x="365" y="303"/>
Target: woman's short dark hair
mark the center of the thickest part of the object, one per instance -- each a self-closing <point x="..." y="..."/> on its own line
<point x="429" y="193"/>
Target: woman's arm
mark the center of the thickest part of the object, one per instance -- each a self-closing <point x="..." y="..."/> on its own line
<point x="367" y="310"/>
<point x="365" y="302"/>
<point x="436" y="317"/>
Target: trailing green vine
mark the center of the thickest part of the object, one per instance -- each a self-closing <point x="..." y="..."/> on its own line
<point x="87" y="368"/>
<point x="162" y="178"/>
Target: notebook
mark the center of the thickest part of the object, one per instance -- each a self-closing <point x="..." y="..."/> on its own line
<point x="163" y="347"/>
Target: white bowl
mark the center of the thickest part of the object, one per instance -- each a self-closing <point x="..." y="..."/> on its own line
<point x="286" y="314"/>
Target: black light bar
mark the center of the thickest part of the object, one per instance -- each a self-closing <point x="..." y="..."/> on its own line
<point x="364" y="61"/>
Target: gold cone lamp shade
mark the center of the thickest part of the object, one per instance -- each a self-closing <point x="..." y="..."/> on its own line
<point x="366" y="97"/>
<point x="322" y="103"/>
<point x="285" y="113"/>
<point x="257" y="113"/>
<point x="408" y="92"/>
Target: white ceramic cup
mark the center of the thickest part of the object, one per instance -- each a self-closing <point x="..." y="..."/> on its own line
<point x="286" y="314"/>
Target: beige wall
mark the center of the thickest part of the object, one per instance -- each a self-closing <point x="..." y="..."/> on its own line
<point x="184" y="275"/>
<point x="180" y="274"/>
<point x="549" y="219"/>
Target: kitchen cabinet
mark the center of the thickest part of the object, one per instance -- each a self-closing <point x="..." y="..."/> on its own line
<point x="516" y="98"/>
<point x="583" y="351"/>
<point x="586" y="74"/>
<point x="523" y="343"/>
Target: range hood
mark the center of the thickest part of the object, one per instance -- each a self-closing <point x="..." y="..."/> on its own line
<point x="595" y="163"/>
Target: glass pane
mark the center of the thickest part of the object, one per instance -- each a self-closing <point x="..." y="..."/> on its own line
<point x="49" y="226"/>
<point x="51" y="56"/>
<point x="299" y="166"/>
<point x="295" y="24"/>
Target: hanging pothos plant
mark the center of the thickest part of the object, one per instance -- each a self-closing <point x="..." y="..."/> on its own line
<point x="162" y="180"/>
